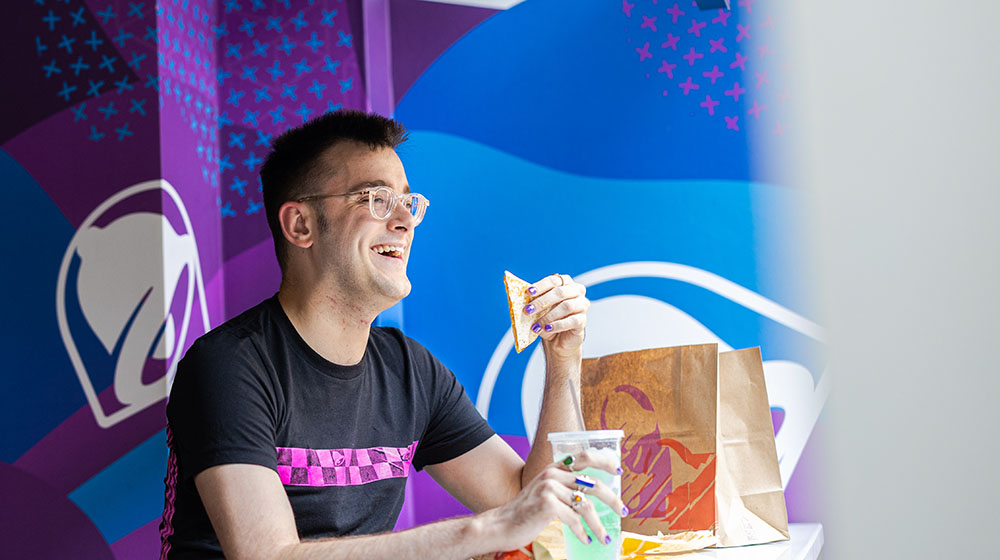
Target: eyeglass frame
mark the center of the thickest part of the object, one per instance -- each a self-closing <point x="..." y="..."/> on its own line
<point x="393" y="200"/>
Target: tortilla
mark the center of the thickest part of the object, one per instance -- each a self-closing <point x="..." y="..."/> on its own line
<point x="517" y="298"/>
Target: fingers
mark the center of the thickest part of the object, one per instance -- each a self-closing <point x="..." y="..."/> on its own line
<point x="559" y="305"/>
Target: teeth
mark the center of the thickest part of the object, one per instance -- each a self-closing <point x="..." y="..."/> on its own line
<point x="382" y="249"/>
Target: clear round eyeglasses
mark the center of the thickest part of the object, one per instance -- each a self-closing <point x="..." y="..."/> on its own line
<point x="382" y="201"/>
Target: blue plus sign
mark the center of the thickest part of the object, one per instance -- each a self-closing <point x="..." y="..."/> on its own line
<point x="107" y="63"/>
<point x="136" y="9"/>
<point x="249" y="73"/>
<point x="39" y="47"/>
<point x="345" y="85"/>
<point x="238" y="185"/>
<point x="286" y="45"/>
<point x="262" y="139"/>
<point x="120" y="38"/>
<point x="78" y="113"/>
<point x="252" y="161"/>
<point x="234" y="97"/>
<point x="123" y="132"/>
<point x="93" y="89"/>
<point x="108" y="111"/>
<point x="247" y="27"/>
<point x="314" y="42"/>
<point x="328" y="18"/>
<point x="276" y="115"/>
<point x="51" y="19"/>
<point x="51" y="69"/>
<point x="94" y="42"/>
<point x="233" y="50"/>
<point x="136" y="59"/>
<point x="94" y="135"/>
<point x="224" y="119"/>
<point x="237" y="140"/>
<point x="220" y="31"/>
<point x="254" y="207"/>
<point x="274" y="71"/>
<point x="123" y="85"/>
<point x="317" y="88"/>
<point x="225" y="164"/>
<point x="301" y="67"/>
<point x="273" y="23"/>
<point x="137" y="106"/>
<point x="261" y="94"/>
<point x="331" y="65"/>
<point x="67" y="44"/>
<point x="77" y="17"/>
<point x="288" y="90"/>
<point x="345" y="39"/>
<point x="259" y="48"/>
<point x="78" y="66"/>
<point x="250" y="117"/>
<point x="304" y="112"/>
<point x="299" y="21"/>
<point x="106" y="14"/>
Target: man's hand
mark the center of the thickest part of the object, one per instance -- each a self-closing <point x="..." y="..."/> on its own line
<point x="550" y="496"/>
<point x="562" y="322"/>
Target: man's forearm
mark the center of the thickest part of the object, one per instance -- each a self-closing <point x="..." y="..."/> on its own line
<point x="458" y="538"/>
<point x="557" y="413"/>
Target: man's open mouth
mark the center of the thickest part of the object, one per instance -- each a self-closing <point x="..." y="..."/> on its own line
<point x="394" y="251"/>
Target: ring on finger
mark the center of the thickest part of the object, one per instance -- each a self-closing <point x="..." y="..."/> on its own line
<point x="584" y="483"/>
<point x="568" y="462"/>
<point x="577" y="500"/>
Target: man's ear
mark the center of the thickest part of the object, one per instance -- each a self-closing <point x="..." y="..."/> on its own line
<point x="297" y="222"/>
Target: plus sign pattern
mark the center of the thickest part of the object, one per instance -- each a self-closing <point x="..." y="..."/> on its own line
<point x="93" y="62"/>
<point x="273" y="65"/>
<point x="714" y="60"/>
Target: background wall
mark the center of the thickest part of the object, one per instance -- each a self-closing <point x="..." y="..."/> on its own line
<point x="615" y="142"/>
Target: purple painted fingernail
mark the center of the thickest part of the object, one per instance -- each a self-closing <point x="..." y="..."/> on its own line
<point x="548" y="328"/>
<point x="536" y="328"/>
<point x="620" y="471"/>
<point x="589" y="540"/>
<point x="532" y="290"/>
<point x="624" y="510"/>
<point x="607" y="539"/>
<point x="529" y="309"/>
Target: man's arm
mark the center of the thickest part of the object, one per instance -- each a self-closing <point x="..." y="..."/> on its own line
<point x="253" y="520"/>
<point x="492" y="473"/>
<point x="562" y="305"/>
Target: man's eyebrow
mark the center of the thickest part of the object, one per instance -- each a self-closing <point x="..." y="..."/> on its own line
<point x="373" y="184"/>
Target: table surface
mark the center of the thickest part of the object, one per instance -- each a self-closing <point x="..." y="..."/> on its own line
<point x="805" y="543"/>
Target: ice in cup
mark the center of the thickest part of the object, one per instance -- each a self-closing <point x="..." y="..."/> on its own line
<point x="595" y="441"/>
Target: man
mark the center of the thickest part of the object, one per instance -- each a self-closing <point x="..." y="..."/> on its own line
<point x="294" y="425"/>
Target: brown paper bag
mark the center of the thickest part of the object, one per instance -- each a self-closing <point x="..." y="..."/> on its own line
<point x="696" y="455"/>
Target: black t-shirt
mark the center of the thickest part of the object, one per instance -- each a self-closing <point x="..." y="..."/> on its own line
<point x="342" y="438"/>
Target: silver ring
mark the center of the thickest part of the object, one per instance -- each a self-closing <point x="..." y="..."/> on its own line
<point x="576" y="500"/>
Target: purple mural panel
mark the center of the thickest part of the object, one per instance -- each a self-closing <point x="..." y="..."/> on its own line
<point x="421" y="31"/>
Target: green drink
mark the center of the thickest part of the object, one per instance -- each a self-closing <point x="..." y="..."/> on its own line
<point x="603" y="441"/>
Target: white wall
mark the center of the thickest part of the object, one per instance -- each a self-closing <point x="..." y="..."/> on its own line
<point x="901" y="154"/>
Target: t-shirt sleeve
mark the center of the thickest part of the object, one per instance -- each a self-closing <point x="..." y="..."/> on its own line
<point x="455" y="426"/>
<point x="222" y="407"/>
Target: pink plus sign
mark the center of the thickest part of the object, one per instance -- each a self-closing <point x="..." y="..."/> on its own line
<point x="714" y="74"/>
<point x="783" y="97"/>
<point x="687" y="86"/>
<point x="746" y="4"/>
<point x="709" y="104"/>
<point x="722" y="17"/>
<point x="779" y="129"/>
<point x="627" y="8"/>
<point x="691" y="56"/>
<point x="764" y="49"/>
<point x="736" y="92"/>
<point x="740" y="61"/>
<point x="744" y="32"/>
<point x="644" y="52"/>
<point x="676" y="12"/>
<point x="696" y="27"/>
<point x="717" y="45"/>
<point x="761" y="78"/>
<point x="648" y="22"/>
<point x="671" y="42"/>
<point x="668" y="69"/>
<point x="768" y="23"/>
<point x="756" y="109"/>
<point x="731" y="123"/>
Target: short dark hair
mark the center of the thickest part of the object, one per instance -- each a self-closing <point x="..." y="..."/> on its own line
<point x="294" y="165"/>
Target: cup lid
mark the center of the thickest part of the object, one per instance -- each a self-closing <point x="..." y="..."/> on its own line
<point x="587" y="435"/>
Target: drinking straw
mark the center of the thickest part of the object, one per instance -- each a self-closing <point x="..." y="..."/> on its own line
<point x="576" y="404"/>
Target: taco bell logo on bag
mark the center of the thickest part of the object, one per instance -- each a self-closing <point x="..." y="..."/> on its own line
<point x="630" y="321"/>
<point x="125" y="298"/>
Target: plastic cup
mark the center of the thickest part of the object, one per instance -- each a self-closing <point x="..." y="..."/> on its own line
<point x="601" y="441"/>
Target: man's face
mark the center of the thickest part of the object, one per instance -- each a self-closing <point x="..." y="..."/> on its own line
<point x="363" y="256"/>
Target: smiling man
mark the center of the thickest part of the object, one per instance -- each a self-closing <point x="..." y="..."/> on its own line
<point x="294" y="425"/>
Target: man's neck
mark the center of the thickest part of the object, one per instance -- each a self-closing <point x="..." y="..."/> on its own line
<point x="331" y="324"/>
